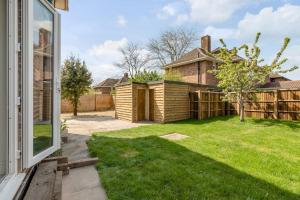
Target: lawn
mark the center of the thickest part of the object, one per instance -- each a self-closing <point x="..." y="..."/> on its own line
<point x="222" y="159"/>
<point x="42" y="137"/>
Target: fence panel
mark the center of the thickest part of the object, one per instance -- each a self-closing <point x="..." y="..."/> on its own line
<point x="90" y="103"/>
<point x="211" y="104"/>
<point x="274" y="104"/>
<point x="104" y="102"/>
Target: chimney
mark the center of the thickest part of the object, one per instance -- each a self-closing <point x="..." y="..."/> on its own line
<point x="206" y="43"/>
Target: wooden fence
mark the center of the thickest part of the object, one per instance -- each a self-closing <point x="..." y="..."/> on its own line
<point x="272" y="104"/>
<point x="89" y="103"/>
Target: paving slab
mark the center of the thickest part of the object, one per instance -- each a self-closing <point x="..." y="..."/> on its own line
<point x="174" y="136"/>
<point x="83" y="183"/>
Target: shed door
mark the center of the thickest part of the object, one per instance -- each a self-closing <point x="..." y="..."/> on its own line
<point x="151" y="105"/>
<point x="141" y="105"/>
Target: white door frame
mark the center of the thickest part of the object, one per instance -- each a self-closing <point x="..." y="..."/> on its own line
<point x="11" y="183"/>
<point x="29" y="158"/>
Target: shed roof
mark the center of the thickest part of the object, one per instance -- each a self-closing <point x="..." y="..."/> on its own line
<point x="169" y="81"/>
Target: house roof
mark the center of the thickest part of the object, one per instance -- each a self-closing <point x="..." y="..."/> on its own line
<point x="282" y="85"/>
<point x="276" y="75"/>
<point x="110" y="82"/>
<point x="124" y="79"/>
<point x="197" y="54"/>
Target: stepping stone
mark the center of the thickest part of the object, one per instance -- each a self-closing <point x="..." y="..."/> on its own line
<point x="174" y="136"/>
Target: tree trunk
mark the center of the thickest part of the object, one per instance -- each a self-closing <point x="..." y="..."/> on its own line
<point x="242" y="111"/>
<point x="75" y="108"/>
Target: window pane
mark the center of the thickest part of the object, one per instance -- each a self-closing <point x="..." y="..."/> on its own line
<point x="42" y="77"/>
<point x="3" y="88"/>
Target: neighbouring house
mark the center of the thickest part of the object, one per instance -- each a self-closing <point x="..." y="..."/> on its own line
<point x="107" y="86"/>
<point x="194" y="66"/>
<point x="30" y="104"/>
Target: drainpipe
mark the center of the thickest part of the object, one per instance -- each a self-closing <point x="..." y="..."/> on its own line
<point x="198" y="67"/>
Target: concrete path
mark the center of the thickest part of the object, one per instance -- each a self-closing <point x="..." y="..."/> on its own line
<point x="83" y="183"/>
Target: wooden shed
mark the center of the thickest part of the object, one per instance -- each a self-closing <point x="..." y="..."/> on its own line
<point x="161" y="101"/>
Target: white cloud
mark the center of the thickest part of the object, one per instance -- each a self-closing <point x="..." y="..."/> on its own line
<point x="272" y="23"/>
<point x="182" y="18"/>
<point x="217" y="33"/>
<point x="122" y="21"/>
<point x="213" y="11"/>
<point x="201" y="11"/>
<point x="101" y="58"/>
<point x="167" y="11"/>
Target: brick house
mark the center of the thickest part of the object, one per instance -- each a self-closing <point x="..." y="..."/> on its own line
<point x="194" y="66"/>
<point x="107" y="86"/>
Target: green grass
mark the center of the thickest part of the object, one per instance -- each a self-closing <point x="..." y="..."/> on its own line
<point x="42" y="137"/>
<point x="222" y="159"/>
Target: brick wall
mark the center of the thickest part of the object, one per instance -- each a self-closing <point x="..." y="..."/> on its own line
<point x="189" y="73"/>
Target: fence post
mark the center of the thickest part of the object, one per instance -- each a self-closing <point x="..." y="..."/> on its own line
<point x="199" y="106"/>
<point x="208" y="104"/>
<point x="276" y="104"/>
<point x="95" y="101"/>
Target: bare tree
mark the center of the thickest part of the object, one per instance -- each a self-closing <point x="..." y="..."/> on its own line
<point x="134" y="60"/>
<point x="171" y="45"/>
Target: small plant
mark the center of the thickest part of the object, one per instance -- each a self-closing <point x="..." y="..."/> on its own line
<point x="172" y="76"/>
<point x="63" y="125"/>
<point x="147" y="76"/>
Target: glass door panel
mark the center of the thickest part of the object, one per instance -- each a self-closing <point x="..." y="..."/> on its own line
<point x="43" y="65"/>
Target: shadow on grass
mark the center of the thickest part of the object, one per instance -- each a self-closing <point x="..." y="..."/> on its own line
<point x="261" y="122"/>
<point x="274" y="122"/>
<point x="155" y="168"/>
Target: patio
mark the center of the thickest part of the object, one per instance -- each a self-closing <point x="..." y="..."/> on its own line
<point x="84" y="183"/>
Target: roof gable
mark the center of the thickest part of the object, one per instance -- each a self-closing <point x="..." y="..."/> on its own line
<point x="195" y="55"/>
<point x="110" y="82"/>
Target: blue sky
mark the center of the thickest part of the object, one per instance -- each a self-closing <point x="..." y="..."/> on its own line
<point x="96" y="29"/>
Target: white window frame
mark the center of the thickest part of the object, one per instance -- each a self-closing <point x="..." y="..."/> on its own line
<point x="13" y="179"/>
<point x="29" y="158"/>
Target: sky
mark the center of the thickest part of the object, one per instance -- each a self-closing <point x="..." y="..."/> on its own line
<point x="95" y="30"/>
